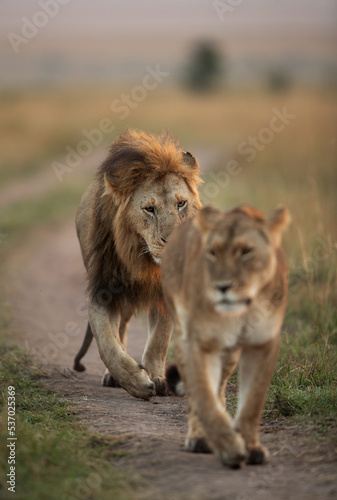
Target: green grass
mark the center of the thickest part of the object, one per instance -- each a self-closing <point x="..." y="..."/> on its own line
<point x="305" y="382"/>
<point x="56" y="458"/>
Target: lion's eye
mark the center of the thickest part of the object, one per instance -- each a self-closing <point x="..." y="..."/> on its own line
<point x="149" y="210"/>
<point x="246" y="252"/>
<point x="181" y="204"/>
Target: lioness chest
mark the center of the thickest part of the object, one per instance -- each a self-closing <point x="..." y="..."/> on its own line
<point x="215" y="331"/>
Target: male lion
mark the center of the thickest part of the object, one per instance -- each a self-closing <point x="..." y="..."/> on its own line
<point x="145" y="187"/>
<point x="225" y="282"/>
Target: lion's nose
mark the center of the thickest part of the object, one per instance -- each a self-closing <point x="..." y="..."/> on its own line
<point x="224" y="287"/>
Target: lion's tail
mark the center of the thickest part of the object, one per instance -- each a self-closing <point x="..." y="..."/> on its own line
<point x="173" y="380"/>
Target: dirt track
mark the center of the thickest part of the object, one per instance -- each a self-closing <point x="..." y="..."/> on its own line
<point x="47" y="296"/>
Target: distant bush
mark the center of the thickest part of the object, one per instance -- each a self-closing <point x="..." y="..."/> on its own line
<point x="278" y="80"/>
<point x="205" y="68"/>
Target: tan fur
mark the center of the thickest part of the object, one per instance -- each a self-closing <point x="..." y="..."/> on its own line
<point x="145" y="187"/>
<point x="225" y="283"/>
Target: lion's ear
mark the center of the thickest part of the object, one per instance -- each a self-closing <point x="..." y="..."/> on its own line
<point x="109" y="188"/>
<point x="206" y="218"/>
<point x="190" y="160"/>
<point x="278" y="221"/>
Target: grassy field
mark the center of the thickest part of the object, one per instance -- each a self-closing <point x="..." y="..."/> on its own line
<point x="295" y="165"/>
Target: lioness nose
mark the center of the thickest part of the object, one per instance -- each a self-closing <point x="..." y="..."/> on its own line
<point x="224" y="287"/>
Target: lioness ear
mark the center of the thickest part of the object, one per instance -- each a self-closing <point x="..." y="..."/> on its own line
<point x="189" y="159"/>
<point x="206" y="218"/>
<point x="278" y="221"/>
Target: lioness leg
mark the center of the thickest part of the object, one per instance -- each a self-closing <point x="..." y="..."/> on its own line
<point x="108" y="379"/>
<point x="124" y="369"/>
<point x="229" y="361"/>
<point x="196" y="440"/>
<point x="202" y="375"/>
<point x="160" y="329"/>
<point x="256" y="368"/>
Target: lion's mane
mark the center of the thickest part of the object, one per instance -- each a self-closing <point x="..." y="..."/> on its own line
<point x="134" y="159"/>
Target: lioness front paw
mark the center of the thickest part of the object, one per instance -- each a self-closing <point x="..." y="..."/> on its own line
<point x="231" y="451"/>
<point x="258" y="455"/>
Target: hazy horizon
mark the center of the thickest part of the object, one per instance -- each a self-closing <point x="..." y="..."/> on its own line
<point x="116" y="39"/>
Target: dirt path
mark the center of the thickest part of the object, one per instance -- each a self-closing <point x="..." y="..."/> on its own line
<point x="47" y="296"/>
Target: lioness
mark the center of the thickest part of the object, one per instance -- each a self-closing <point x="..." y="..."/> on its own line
<point x="225" y="283"/>
<point x="145" y="187"/>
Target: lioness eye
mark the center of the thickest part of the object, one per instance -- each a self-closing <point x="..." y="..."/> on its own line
<point x="181" y="204"/>
<point x="149" y="210"/>
<point x="211" y="255"/>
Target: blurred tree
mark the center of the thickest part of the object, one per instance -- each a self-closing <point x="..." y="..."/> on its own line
<point x="205" y="69"/>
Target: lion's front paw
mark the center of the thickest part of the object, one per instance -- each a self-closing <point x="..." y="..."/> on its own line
<point x="197" y="445"/>
<point x="131" y="376"/>
<point x="258" y="455"/>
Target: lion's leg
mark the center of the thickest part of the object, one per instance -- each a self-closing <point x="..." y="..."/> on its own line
<point x="154" y="357"/>
<point x="256" y="368"/>
<point x="123" y="329"/>
<point x="108" y="379"/>
<point x="203" y="373"/>
<point x="229" y="361"/>
<point x="124" y="369"/>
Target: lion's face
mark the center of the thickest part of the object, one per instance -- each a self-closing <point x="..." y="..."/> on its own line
<point x="239" y="255"/>
<point x="155" y="210"/>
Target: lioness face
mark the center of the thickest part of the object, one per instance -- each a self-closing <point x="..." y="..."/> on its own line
<point x="240" y="261"/>
<point x="156" y="209"/>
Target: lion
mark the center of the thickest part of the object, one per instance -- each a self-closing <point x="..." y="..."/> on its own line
<point x="145" y="187"/>
<point x="224" y="278"/>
